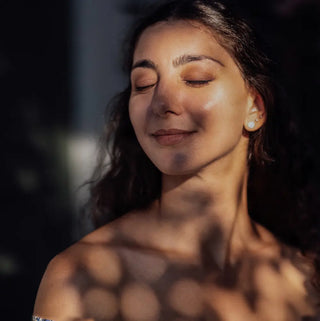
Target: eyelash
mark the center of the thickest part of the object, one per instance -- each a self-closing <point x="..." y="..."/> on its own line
<point x="142" y="88"/>
<point x="198" y="83"/>
<point x="192" y="83"/>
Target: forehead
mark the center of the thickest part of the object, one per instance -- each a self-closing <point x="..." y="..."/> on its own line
<point x="176" y="37"/>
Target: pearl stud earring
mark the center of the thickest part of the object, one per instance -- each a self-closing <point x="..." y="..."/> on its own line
<point x="251" y="124"/>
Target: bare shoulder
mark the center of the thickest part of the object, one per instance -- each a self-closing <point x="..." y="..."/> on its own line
<point x="86" y="279"/>
<point x="285" y="258"/>
<point x="292" y="269"/>
<point x="54" y="291"/>
<point x="80" y="277"/>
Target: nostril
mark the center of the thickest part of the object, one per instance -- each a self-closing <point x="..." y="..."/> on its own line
<point x="165" y="108"/>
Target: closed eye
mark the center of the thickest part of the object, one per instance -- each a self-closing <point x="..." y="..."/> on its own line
<point x="198" y="83"/>
<point x="143" y="88"/>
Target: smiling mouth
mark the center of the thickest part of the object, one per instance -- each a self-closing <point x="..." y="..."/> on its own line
<point x="168" y="137"/>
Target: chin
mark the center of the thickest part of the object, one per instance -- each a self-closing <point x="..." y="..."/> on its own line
<point x="175" y="170"/>
<point x="177" y="164"/>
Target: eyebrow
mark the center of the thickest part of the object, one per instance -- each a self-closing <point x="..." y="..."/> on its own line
<point x="145" y="63"/>
<point x="184" y="59"/>
<point x="179" y="61"/>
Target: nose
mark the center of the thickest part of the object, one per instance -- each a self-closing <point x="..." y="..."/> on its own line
<point x="167" y="99"/>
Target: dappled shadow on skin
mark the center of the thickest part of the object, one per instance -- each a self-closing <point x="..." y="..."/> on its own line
<point x="180" y="159"/>
<point x="143" y="274"/>
<point x="260" y="286"/>
<point x="119" y="282"/>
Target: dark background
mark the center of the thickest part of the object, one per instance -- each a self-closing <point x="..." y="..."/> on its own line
<point x="40" y="111"/>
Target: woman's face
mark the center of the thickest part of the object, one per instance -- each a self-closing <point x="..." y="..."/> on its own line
<point x="189" y="102"/>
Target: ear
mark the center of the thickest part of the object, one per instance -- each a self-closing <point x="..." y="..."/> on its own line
<point x="256" y="113"/>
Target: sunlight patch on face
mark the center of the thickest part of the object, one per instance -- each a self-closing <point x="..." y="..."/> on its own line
<point x="209" y="105"/>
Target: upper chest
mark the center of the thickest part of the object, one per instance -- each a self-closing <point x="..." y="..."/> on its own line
<point x="141" y="285"/>
<point x="250" y="290"/>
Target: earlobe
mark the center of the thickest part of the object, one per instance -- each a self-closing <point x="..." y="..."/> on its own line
<point x="256" y="114"/>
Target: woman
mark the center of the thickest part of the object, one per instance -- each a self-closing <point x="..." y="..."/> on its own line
<point x="196" y="116"/>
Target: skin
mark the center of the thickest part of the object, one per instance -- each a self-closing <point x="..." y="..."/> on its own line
<point x="195" y="254"/>
<point x="207" y="98"/>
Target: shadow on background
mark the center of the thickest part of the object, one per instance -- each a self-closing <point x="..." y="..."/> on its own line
<point x="35" y="119"/>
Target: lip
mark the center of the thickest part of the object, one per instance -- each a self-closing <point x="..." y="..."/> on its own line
<point x="172" y="136"/>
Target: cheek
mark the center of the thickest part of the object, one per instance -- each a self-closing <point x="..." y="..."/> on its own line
<point x="221" y="106"/>
<point x="137" y="113"/>
<point x="211" y="113"/>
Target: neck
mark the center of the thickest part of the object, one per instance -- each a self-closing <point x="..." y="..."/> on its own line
<point x="209" y="211"/>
